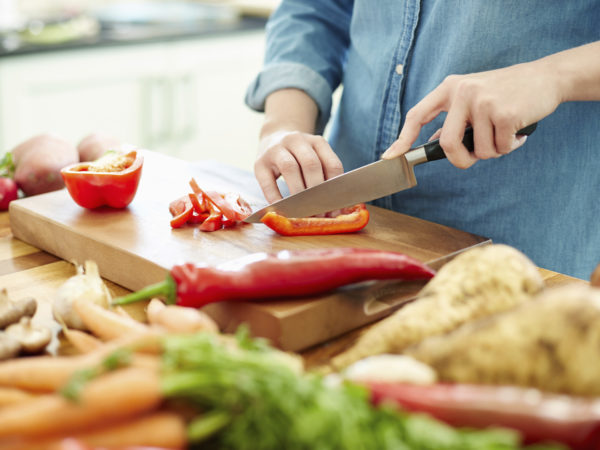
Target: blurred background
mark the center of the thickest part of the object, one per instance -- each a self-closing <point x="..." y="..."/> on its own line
<point x="168" y="75"/>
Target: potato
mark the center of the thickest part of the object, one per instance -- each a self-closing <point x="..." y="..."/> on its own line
<point x="94" y="145"/>
<point x="38" y="161"/>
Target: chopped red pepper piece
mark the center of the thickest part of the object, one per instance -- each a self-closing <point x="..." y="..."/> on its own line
<point x="297" y="273"/>
<point x="181" y="219"/>
<point x="112" y="180"/>
<point x="538" y="416"/>
<point x="350" y="220"/>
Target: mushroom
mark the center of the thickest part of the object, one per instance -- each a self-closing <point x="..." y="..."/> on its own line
<point x="9" y="346"/>
<point x="87" y="286"/>
<point x="11" y="312"/>
<point x="32" y="339"/>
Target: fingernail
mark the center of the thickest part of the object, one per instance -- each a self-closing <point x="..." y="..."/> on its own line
<point x="518" y="141"/>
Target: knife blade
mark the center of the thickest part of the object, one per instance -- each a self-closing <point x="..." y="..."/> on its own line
<point x="367" y="183"/>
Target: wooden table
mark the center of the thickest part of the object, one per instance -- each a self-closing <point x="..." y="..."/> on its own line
<point x="27" y="271"/>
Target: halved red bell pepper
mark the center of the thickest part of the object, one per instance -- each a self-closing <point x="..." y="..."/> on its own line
<point x="110" y="181"/>
<point x="350" y="220"/>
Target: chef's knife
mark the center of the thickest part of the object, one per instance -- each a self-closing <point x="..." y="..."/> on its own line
<point x="375" y="180"/>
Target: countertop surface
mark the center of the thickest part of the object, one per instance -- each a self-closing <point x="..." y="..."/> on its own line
<point x="11" y="45"/>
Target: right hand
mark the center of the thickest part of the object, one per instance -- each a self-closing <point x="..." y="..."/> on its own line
<point x="304" y="160"/>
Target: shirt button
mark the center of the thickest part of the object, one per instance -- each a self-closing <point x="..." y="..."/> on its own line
<point x="399" y="69"/>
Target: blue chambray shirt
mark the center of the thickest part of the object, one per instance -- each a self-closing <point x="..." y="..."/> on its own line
<point x="543" y="198"/>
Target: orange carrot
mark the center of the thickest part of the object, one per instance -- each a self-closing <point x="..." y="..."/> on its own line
<point x="82" y="342"/>
<point x="110" y="398"/>
<point x="179" y="318"/>
<point x="10" y="396"/>
<point x="49" y="373"/>
<point x="106" y="324"/>
<point x="156" y="430"/>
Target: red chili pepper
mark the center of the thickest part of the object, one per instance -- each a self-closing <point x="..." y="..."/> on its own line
<point x="538" y="416"/>
<point x="111" y="180"/>
<point x="284" y="274"/>
<point x="351" y="219"/>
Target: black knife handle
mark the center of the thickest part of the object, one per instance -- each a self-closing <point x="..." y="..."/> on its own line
<point x="434" y="151"/>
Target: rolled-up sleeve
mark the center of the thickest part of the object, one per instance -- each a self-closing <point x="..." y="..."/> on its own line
<point x="307" y="42"/>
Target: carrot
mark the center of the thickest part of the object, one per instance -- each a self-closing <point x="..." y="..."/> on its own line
<point x="113" y="397"/>
<point x="160" y="429"/>
<point x="106" y="324"/>
<point x="179" y="318"/>
<point x="10" y="396"/>
<point x="82" y="342"/>
<point x="49" y="373"/>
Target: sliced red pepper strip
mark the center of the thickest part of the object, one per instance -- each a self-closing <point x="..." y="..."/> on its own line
<point x="198" y="218"/>
<point x="111" y="181"/>
<point x="213" y="222"/>
<point x="198" y="206"/>
<point x="181" y="219"/>
<point x="297" y="273"/>
<point x="538" y="416"/>
<point x="179" y="205"/>
<point x="351" y="220"/>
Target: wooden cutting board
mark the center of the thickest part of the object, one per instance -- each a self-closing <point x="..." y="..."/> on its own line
<point x="136" y="246"/>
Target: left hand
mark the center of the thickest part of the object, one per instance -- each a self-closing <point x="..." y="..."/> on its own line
<point x="496" y="104"/>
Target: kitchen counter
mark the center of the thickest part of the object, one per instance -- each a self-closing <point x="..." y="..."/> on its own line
<point x="10" y="46"/>
<point x="27" y="271"/>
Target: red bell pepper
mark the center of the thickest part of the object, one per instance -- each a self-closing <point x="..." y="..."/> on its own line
<point x="538" y="416"/>
<point x="350" y="220"/>
<point x="110" y="181"/>
<point x="297" y="273"/>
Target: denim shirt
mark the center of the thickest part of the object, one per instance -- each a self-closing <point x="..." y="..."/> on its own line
<point x="542" y="198"/>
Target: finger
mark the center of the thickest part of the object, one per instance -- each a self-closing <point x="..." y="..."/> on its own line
<point x="309" y="163"/>
<point x="267" y="181"/>
<point x="453" y="132"/>
<point x="287" y="164"/>
<point x="435" y="135"/>
<point x="483" y="139"/>
<point x="420" y="114"/>
<point x="506" y="141"/>
<point x="332" y="166"/>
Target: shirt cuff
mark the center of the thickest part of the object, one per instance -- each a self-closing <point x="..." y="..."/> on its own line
<point x="291" y="75"/>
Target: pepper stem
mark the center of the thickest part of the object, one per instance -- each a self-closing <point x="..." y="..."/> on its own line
<point x="166" y="289"/>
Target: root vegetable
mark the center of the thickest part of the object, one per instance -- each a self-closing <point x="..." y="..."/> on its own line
<point x="82" y="342"/>
<point x="476" y="283"/>
<point x="11" y="312"/>
<point x="12" y="396"/>
<point x="33" y="339"/>
<point x="595" y="278"/>
<point x="8" y="192"/>
<point x="550" y="343"/>
<point x="94" y="145"/>
<point x="158" y="430"/>
<point x="106" y="324"/>
<point x="113" y="397"/>
<point x="38" y="162"/>
<point x="179" y="318"/>
<point x="85" y="285"/>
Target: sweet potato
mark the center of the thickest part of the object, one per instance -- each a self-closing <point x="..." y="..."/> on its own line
<point x="94" y="145"/>
<point x="476" y="283"/>
<point x="38" y="162"/>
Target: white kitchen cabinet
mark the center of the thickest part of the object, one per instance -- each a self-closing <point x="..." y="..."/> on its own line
<point x="181" y="97"/>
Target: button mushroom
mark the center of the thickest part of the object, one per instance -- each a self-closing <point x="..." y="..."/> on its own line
<point x="32" y="339"/>
<point x="9" y="347"/>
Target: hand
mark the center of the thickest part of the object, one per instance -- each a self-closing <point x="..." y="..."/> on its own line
<point x="303" y="159"/>
<point x="496" y="104"/>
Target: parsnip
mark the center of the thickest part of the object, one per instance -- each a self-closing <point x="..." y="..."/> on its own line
<point x="476" y="283"/>
<point x="551" y="343"/>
